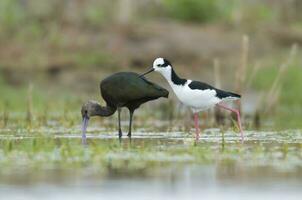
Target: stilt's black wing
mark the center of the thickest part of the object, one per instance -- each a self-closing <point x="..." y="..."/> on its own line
<point x="196" y="85"/>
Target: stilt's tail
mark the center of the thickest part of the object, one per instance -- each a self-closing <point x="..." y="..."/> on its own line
<point x="231" y="94"/>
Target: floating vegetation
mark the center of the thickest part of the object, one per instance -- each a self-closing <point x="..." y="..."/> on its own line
<point x="43" y="149"/>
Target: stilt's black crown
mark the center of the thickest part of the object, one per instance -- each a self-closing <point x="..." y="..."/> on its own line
<point x="163" y="62"/>
<point x="166" y="63"/>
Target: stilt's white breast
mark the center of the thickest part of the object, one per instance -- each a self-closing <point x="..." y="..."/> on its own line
<point x="197" y="99"/>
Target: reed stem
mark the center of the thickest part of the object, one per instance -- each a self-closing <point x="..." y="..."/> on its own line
<point x="29" y="115"/>
<point x="5" y="114"/>
<point x="218" y="114"/>
<point x="274" y="91"/>
<point x="241" y="71"/>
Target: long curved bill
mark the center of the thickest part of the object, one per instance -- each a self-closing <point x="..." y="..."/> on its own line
<point x="149" y="71"/>
<point x="84" y="128"/>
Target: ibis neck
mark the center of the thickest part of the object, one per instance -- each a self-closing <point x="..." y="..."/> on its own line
<point x="104" y="111"/>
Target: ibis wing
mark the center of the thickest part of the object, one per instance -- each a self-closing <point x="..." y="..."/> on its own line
<point x="141" y="88"/>
<point x="123" y="88"/>
<point x="156" y="89"/>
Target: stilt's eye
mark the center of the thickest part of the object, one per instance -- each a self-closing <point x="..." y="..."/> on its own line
<point x="158" y="65"/>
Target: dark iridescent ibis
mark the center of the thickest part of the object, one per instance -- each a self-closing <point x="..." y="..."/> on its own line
<point x="123" y="89"/>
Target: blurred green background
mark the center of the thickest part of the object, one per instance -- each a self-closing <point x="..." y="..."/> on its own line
<point x="54" y="53"/>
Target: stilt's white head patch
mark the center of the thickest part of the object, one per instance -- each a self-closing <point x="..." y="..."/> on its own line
<point x="162" y="66"/>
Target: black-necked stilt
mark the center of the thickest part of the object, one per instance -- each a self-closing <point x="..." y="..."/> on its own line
<point x="124" y="89"/>
<point x="197" y="95"/>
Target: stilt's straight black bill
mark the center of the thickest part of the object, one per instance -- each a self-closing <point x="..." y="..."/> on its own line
<point x="149" y="71"/>
<point x="84" y="127"/>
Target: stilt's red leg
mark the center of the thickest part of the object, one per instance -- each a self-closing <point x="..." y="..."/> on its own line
<point x="238" y="118"/>
<point x="196" y="126"/>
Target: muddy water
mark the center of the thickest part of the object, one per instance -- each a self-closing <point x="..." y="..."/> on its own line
<point x="52" y="164"/>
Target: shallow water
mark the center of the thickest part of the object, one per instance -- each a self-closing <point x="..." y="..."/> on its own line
<point x="52" y="164"/>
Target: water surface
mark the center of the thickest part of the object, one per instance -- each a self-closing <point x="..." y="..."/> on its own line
<point x="53" y="164"/>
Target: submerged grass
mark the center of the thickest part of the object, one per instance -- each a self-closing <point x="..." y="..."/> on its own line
<point x="36" y="152"/>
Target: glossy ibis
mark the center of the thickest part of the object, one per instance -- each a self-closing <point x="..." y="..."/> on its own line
<point x="123" y="89"/>
<point x="197" y="95"/>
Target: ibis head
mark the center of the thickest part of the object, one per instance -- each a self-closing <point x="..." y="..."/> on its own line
<point x="93" y="108"/>
<point x="89" y="109"/>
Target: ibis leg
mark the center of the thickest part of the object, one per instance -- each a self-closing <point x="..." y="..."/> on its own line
<point x="130" y="123"/>
<point x="238" y="117"/>
<point x="196" y="126"/>
<point x="119" y="123"/>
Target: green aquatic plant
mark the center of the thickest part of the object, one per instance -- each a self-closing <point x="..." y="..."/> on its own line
<point x="36" y="152"/>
